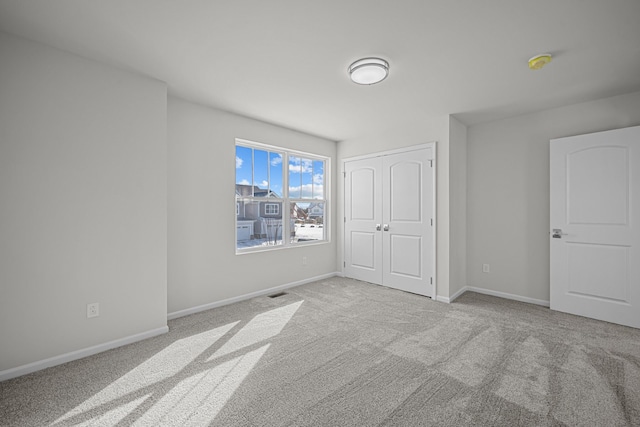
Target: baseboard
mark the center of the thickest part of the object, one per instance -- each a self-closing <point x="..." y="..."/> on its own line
<point x="452" y="298"/>
<point x="89" y="351"/>
<point x="457" y="294"/>
<point x="500" y="295"/>
<point x="78" y="354"/>
<point x="209" y="306"/>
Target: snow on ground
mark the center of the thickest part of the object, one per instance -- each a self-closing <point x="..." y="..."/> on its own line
<point x="309" y="232"/>
<point x="304" y="232"/>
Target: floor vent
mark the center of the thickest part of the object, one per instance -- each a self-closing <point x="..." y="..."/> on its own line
<point x="279" y="294"/>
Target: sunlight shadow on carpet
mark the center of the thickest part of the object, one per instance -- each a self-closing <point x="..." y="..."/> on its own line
<point x="167" y="363"/>
<point x="114" y="416"/>
<point x="261" y="327"/>
<point x="195" y="390"/>
<point x="198" y="399"/>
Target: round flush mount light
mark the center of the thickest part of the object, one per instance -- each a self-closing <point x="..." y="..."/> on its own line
<point x="539" y="61"/>
<point x="368" y="71"/>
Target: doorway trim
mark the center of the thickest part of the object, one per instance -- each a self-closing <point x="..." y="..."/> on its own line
<point x="433" y="146"/>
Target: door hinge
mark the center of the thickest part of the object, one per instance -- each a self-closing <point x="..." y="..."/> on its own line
<point x="431" y="163"/>
<point x="344" y="174"/>
<point x="344" y="263"/>
<point x="431" y="280"/>
<point x="345" y="219"/>
<point x="432" y="222"/>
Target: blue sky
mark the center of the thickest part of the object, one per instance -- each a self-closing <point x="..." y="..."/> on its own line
<point x="306" y="176"/>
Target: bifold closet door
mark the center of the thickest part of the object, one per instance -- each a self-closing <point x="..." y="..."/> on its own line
<point x="389" y="233"/>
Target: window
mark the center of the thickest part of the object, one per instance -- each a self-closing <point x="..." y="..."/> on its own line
<point x="271" y="181"/>
<point x="271" y="209"/>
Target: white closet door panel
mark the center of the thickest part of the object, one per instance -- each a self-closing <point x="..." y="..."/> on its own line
<point x="363" y="249"/>
<point x="363" y="194"/>
<point x="405" y="191"/>
<point x="405" y="256"/>
<point x="407" y="235"/>
<point x="363" y="213"/>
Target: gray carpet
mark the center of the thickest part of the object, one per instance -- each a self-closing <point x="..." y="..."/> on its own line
<point x="345" y="353"/>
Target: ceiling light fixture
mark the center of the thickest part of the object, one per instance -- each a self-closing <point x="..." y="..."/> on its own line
<point x="368" y="71"/>
<point x="539" y="61"/>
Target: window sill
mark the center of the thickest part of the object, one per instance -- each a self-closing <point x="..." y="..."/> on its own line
<point x="280" y="247"/>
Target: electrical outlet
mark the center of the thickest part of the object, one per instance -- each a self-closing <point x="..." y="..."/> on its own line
<point x="93" y="309"/>
<point x="304" y="260"/>
<point x="485" y="268"/>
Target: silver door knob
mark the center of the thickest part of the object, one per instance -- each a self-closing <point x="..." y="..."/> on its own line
<point x="386" y="227"/>
<point x="377" y="227"/>
<point x="557" y="233"/>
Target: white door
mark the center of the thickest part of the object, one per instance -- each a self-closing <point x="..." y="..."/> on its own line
<point x="407" y="216"/>
<point x="389" y="232"/>
<point x="595" y="221"/>
<point x="363" y="220"/>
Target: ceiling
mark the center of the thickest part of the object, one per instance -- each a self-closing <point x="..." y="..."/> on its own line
<point x="285" y="61"/>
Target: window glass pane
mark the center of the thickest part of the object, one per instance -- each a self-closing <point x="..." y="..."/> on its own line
<point x="275" y="168"/>
<point x="306" y="168"/>
<point x="260" y="173"/>
<point x="255" y="227"/>
<point x="308" y="221"/>
<point x="244" y="175"/>
<point x="294" y="177"/>
<point x="318" y="179"/>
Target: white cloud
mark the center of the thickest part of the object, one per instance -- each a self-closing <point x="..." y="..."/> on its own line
<point x="264" y="183"/>
<point x="275" y="161"/>
<point x="307" y="190"/>
<point x="318" y="179"/>
<point x="300" y="168"/>
<point x="244" y="182"/>
<point x="300" y="165"/>
<point x="239" y="162"/>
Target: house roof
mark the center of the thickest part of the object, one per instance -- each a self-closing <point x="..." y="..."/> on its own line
<point x="286" y="62"/>
<point x="246" y="191"/>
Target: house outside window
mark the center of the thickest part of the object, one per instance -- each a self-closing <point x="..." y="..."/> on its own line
<point x="271" y="182"/>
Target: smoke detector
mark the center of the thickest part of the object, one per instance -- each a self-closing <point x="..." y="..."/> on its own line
<point x="539" y="61"/>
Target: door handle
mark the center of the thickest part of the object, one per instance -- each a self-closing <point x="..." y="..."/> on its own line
<point x="386" y="227"/>
<point x="377" y="227"/>
<point x="557" y="233"/>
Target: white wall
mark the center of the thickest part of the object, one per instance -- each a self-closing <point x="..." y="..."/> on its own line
<point x="508" y="190"/>
<point x="82" y="203"/>
<point x="428" y="130"/>
<point x="458" y="205"/>
<point x="203" y="266"/>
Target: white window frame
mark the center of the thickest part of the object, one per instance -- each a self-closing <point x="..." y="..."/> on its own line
<point x="272" y="205"/>
<point x="286" y="201"/>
